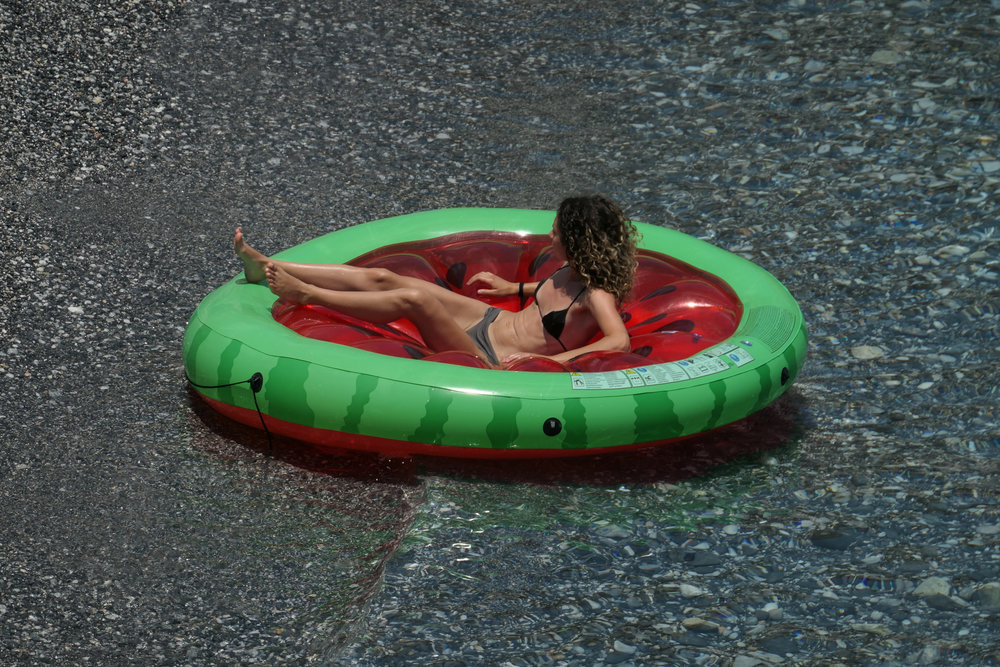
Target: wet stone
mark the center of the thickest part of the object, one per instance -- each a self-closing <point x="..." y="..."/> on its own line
<point x="866" y="352"/>
<point x="757" y="659"/>
<point x="622" y="647"/>
<point x="781" y="646"/>
<point x="836" y="538"/>
<point x="613" y="532"/>
<point x="701" y="561"/>
<point x="689" y="591"/>
<point x="617" y="658"/>
<point x="887" y="57"/>
<point x="697" y="624"/>
<point x="945" y="602"/>
<point x="691" y="638"/>
<point x="987" y="597"/>
<point x="933" y="586"/>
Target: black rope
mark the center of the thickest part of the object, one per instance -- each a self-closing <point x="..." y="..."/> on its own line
<point x="256" y="383"/>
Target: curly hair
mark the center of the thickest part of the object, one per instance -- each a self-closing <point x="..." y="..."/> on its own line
<point x="600" y="243"/>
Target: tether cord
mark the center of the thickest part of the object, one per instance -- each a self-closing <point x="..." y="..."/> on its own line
<point x="256" y="383"/>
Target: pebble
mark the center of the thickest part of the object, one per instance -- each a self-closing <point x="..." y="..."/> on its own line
<point x="987" y="597"/>
<point x="867" y="352"/>
<point x="987" y="166"/>
<point x="933" y="586"/>
<point x="887" y="57"/>
<point x="613" y="532"/>
<point x="835" y="538"/>
<point x="872" y="628"/>
<point x="952" y="251"/>
<point x="697" y="624"/>
<point x="928" y="655"/>
<point x="757" y="658"/>
<point x="622" y="647"/>
<point x="945" y="602"/>
<point x="689" y="591"/>
<point x="773" y="611"/>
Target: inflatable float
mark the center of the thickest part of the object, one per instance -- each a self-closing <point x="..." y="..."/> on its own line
<point x="714" y="339"/>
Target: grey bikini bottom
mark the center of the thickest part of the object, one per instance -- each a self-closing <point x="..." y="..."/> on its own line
<point x="478" y="332"/>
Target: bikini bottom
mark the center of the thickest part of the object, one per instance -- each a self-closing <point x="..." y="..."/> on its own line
<point x="478" y="332"/>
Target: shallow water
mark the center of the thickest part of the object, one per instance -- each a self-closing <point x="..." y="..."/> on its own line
<point x="849" y="148"/>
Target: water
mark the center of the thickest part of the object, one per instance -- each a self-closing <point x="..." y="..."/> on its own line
<point x="849" y="148"/>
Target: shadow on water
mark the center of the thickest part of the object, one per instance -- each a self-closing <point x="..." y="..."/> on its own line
<point x="345" y="463"/>
<point x="778" y="425"/>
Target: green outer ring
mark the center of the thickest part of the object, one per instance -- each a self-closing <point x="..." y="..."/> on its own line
<point x="342" y="389"/>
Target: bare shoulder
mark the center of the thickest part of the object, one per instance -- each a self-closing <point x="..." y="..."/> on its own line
<point x="604" y="309"/>
<point x="600" y="299"/>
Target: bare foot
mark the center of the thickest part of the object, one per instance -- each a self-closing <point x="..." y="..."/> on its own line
<point x="285" y="285"/>
<point x="253" y="261"/>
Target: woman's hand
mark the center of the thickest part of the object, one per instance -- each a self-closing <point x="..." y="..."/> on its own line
<point x="497" y="285"/>
<point x="518" y="356"/>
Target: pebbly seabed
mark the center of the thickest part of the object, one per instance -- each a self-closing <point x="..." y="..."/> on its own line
<point x="849" y="148"/>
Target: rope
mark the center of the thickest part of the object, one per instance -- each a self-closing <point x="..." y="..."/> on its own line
<point x="256" y="383"/>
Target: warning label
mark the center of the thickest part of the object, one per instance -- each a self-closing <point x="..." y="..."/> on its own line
<point x="712" y="361"/>
<point x="737" y="354"/>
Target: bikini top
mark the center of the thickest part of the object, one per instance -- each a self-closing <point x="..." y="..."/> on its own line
<point x="554" y="321"/>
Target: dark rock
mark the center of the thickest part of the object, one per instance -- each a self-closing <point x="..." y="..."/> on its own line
<point x="837" y="539"/>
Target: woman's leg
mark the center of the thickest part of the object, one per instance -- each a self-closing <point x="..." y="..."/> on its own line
<point x="433" y="319"/>
<point x="465" y="311"/>
<point x="327" y="276"/>
<point x="253" y="261"/>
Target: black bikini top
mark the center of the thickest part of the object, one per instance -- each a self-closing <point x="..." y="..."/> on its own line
<point x="554" y="321"/>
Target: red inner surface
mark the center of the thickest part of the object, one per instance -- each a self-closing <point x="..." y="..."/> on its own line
<point x="673" y="311"/>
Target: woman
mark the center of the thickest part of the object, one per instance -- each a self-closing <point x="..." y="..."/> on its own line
<point x="590" y="235"/>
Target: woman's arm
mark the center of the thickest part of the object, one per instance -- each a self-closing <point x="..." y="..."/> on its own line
<point x="501" y="287"/>
<point x="605" y="310"/>
<point x="615" y="336"/>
